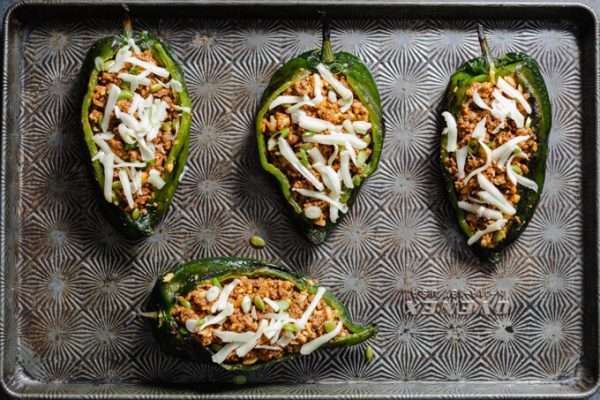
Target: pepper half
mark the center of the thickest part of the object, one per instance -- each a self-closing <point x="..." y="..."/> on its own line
<point x="524" y="73"/>
<point x="358" y="78"/>
<point x="131" y="222"/>
<point x="175" y="340"/>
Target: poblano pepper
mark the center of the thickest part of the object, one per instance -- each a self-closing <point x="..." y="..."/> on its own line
<point x="143" y="140"/>
<point x="255" y="308"/>
<point x="494" y="147"/>
<point x="320" y="134"/>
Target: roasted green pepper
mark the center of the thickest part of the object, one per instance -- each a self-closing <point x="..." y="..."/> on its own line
<point x="323" y="63"/>
<point x="123" y="212"/>
<point x="518" y="119"/>
<point x="174" y="286"/>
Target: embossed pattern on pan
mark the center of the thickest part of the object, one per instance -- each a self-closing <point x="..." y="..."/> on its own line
<point x="76" y="281"/>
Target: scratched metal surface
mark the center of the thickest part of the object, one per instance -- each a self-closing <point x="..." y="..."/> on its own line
<point x="70" y="282"/>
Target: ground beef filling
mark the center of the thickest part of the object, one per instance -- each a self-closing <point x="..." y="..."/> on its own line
<point x="275" y="289"/>
<point x="469" y="117"/>
<point x="277" y="119"/>
<point x="163" y="141"/>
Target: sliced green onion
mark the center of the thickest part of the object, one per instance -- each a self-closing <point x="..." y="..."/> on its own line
<point x="125" y="95"/>
<point x="156" y="87"/>
<point x="304" y="158"/>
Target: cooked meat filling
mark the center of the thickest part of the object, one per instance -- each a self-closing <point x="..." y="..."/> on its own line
<point x="249" y="320"/>
<point x="489" y="146"/>
<point x="135" y="117"/>
<point x="319" y="135"/>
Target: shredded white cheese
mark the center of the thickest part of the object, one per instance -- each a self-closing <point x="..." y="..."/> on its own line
<point x="322" y="196"/>
<point x="489" y="187"/>
<point x="154" y="69"/>
<point x="480" y="210"/>
<point x="108" y="176"/>
<point x="284" y="100"/>
<point x="336" y="85"/>
<point x="113" y="96"/>
<point x="461" y="159"/>
<point x="339" y="139"/>
<point x="451" y="131"/>
<point x="312" y="212"/>
<point x="479" y="101"/>
<point x="514" y="93"/>
<point x="314" y="344"/>
<point x="287" y="153"/>
<point x="493" y="227"/>
<point x="479" y="131"/>
<point x="126" y="188"/>
<point x="212" y="293"/>
<point x="220" y="356"/>
<point x="488" y="162"/>
<point x="224" y="296"/>
<point x="345" y="169"/>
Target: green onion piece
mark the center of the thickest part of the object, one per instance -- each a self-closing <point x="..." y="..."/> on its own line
<point x="257" y="241"/>
<point x="473" y="147"/>
<point x="216" y="347"/>
<point x="259" y="303"/>
<point x="290" y="326"/>
<point x="125" y="95"/>
<point x="498" y="236"/>
<point x="329" y="313"/>
<point x="328" y="326"/>
<point x="156" y="87"/>
<point x="304" y="158"/>
<point x="284" y="305"/>
<point x="135" y="214"/>
<point x="517" y="169"/>
<point x="367" y="139"/>
<point x="183" y="301"/>
<point x="215" y="282"/>
<point x="183" y="330"/>
<point x="306" y="146"/>
<point x="117" y="185"/>
<point x="308" y="134"/>
<point x="134" y="71"/>
<point x="369" y="353"/>
<point x="200" y="322"/>
<point x="130" y="146"/>
<point x="362" y="157"/>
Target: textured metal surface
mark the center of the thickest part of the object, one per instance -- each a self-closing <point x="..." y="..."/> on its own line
<point x="71" y="282"/>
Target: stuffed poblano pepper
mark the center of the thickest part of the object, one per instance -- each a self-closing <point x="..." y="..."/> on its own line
<point x="493" y="147"/>
<point x="136" y="120"/>
<point x="320" y="134"/>
<point x="244" y="314"/>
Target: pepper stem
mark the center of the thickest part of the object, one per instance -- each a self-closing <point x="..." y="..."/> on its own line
<point x="326" y="50"/>
<point x="149" y="315"/>
<point x="127" y="29"/>
<point x="485" y="50"/>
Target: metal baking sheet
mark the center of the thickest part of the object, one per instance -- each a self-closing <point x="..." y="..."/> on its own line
<point x="449" y="327"/>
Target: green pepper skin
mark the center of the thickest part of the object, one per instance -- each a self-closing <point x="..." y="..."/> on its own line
<point x="188" y="276"/>
<point x="363" y="84"/>
<point x="105" y="49"/>
<point x="527" y="72"/>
